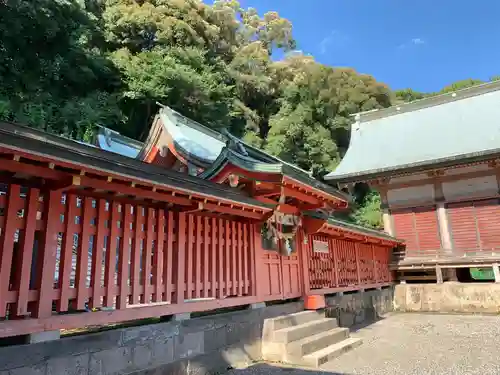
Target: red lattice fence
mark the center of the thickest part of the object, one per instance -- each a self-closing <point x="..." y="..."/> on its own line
<point x="339" y="263"/>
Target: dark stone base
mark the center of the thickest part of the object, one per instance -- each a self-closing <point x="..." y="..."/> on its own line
<point x="362" y="307"/>
<point x="199" y="346"/>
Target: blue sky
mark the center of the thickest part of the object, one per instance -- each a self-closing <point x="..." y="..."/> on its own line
<point x="424" y="44"/>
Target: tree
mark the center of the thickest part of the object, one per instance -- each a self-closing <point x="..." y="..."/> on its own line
<point x="368" y="214"/>
<point x="49" y="64"/>
<point x="460" y="85"/>
<point x="312" y="126"/>
<point x="69" y="65"/>
<point x="408" y="96"/>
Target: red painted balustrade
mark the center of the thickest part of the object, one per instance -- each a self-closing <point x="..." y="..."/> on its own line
<point x="342" y="264"/>
<point x="68" y="261"/>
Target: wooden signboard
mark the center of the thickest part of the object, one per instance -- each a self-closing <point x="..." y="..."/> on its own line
<point x="320" y="246"/>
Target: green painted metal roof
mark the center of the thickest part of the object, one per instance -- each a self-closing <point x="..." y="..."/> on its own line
<point x="205" y="145"/>
<point x="351" y="226"/>
<point x="59" y="148"/>
<point x="112" y="141"/>
<point x="450" y="129"/>
<point x="192" y="139"/>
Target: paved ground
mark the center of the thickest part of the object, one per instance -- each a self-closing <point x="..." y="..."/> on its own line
<point x="415" y="344"/>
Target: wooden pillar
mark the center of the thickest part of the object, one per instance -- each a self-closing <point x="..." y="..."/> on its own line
<point x="442" y="214"/>
<point x="358" y="269"/>
<point x="496" y="271"/>
<point x="181" y="257"/>
<point x="47" y="256"/>
<point x="374" y="257"/>
<point x="303" y="240"/>
<point x="258" y="269"/>
<point x="439" y="275"/>
<point x="7" y="244"/>
<point x="444" y="227"/>
<point x="335" y="252"/>
<point x="387" y="220"/>
<point x="386" y="216"/>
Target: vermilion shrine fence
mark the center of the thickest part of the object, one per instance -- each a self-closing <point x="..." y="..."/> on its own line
<point x="133" y="261"/>
<point x="82" y="246"/>
<point x="342" y="263"/>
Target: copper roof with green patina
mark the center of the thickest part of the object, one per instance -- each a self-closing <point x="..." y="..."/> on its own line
<point x="440" y="131"/>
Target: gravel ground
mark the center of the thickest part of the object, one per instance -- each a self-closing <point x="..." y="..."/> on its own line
<point x="414" y="344"/>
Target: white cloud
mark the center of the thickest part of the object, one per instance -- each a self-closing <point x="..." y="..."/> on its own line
<point x="412" y="42"/>
<point x="332" y="40"/>
<point x="417" y="41"/>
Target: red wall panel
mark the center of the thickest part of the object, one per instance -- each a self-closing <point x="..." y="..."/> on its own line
<point x="404" y="227"/>
<point x="475" y="225"/>
<point x="488" y="223"/>
<point x="427" y="227"/>
<point x="463" y="225"/>
<point x="418" y="227"/>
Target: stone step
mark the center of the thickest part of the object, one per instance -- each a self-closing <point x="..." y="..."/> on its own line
<point x="292" y="320"/>
<point x="287" y="335"/>
<point x="320" y="357"/>
<point x="313" y="343"/>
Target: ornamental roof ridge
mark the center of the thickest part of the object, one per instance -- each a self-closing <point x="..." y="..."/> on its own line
<point x="431" y="101"/>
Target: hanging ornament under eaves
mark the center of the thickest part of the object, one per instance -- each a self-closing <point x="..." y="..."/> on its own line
<point x="234" y="180"/>
<point x="284" y="228"/>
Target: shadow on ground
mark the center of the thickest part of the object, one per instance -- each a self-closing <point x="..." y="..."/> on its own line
<point x="269" y="369"/>
<point x="366" y="324"/>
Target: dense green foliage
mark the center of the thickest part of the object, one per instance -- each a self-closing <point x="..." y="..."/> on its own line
<point x="409" y="95"/>
<point x="68" y="65"/>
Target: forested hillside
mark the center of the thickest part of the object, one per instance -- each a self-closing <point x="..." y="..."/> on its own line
<point x="67" y="65"/>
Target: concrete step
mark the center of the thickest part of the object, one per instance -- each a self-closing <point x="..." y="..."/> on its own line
<point x="287" y="335"/>
<point x="320" y="357"/>
<point x="292" y="320"/>
<point x="310" y="344"/>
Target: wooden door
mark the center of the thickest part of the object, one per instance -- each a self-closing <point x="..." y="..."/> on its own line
<point x="320" y="256"/>
<point x="291" y="275"/>
<point x="419" y="228"/>
<point x="488" y="224"/>
<point x="279" y="276"/>
<point x="463" y="226"/>
<point x="475" y="226"/>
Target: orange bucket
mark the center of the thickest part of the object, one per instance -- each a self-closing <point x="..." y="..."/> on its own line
<point x="315" y="302"/>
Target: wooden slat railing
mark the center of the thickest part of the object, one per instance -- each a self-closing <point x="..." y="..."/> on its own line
<point x="62" y="256"/>
<point x="487" y="253"/>
<point x="346" y="263"/>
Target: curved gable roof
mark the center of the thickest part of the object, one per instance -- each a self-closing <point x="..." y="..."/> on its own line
<point x="192" y="138"/>
<point x="112" y="141"/>
<point x="450" y="128"/>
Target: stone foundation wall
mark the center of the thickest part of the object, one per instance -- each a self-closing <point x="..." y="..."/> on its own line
<point x="449" y="297"/>
<point x="362" y="307"/>
<point x="200" y="346"/>
<point x="208" y="345"/>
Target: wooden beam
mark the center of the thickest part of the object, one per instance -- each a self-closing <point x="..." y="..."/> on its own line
<point x="289" y="192"/>
<point x="29" y="169"/>
<point x="195" y="207"/>
<point x="125" y="199"/>
<point x="141" y="311"/>
<point x="312" y="225"/>
<point x="308" y="207"/>
<point x="134" y="191"/>
<point x="320" y="193"/>
<point x="267" y="193"/>
<point x="288" y="209"/>
<point x="266" y="200"/>
<point x="233" y="211"/>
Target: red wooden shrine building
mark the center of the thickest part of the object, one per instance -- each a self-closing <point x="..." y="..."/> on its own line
<point x="189" y="220"/>
<point x="436" y="164"/>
